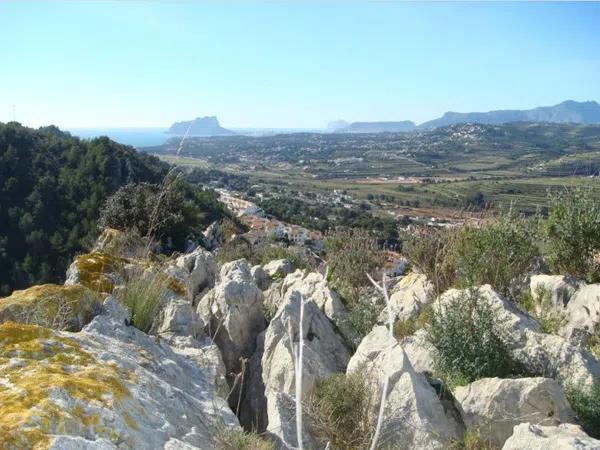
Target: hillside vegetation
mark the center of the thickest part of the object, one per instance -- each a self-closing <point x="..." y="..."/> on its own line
<point x="52" y="188"/>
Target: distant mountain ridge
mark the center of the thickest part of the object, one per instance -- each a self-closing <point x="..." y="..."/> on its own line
<point x="568" y="111"/>
<point x="200" y="127"/>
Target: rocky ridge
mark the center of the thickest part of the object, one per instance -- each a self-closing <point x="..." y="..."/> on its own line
<point x="220" y="356"/>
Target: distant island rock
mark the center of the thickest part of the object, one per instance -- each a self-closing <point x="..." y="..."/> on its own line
<point x="337" y="125"/>
<point x="378" y="127"/>
<point x="566" y="112"/>
<point x="200" y="127"/>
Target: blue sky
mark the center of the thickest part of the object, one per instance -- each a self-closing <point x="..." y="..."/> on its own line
<point x="289" y="64"/>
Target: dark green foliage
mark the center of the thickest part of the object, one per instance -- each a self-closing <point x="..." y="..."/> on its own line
<point x="495" y="254"/>
<point x="585" y="401"/>
<point x="325" y="217"/>
<point x="52" y="186"/>
<point x="362" y="317"/>
<point x="572" y="234"/>
<point x="469" y="340"/>
<point x="262" y="254"/>
<point x="169" y="212"/>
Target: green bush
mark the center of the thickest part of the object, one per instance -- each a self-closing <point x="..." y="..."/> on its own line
<point x="540" y="307"/>
<point x="339" y="411"/>
<point x="469" y="340"/>
<point x="408" y="327"/>
<point x="143" y="294"/>
<point x="585" y="401"/>
<point x="241" y="248"/>
<point x="351" y="254"/>
<point x="496" y="253"/>
<point x="471" y="440"/>
<point x="362" y="317"/>
<point x="572" y="234"/>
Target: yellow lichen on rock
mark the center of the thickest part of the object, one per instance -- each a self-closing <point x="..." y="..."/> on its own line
<point x="39" y="369"/>
<point x="94" y="267"/>
<point x="52" y="306"/>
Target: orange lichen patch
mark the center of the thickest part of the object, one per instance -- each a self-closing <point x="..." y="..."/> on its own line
<point x="52" y="306"/>
<point x="36" y="364"/>
<point x="176" y="286"/>
<point x="94" y="267"/>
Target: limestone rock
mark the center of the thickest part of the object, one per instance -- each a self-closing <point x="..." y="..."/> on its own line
<point x="52" y="306"/>
<point x="494" y="405"/>
<point x="212" y="236"/>
<point x="261" y="278"/>
<point x="582" y="313"/>
<point x="414" y="416"/>
<point x="559" y="287"/>
<point x="109" y="383"/>
<point x="97" y="271"/>
<point x="540" y="353"/>
<point x="278" y="268"/>
<point x="562" y="437"/>
<point x="197" y="270"/>
<point x="408" y="297"/>
<point x="419" y="352"/>
<point x="232" y="312"/>
<point x="178" y="317"/>
<point x="324" y="354"/>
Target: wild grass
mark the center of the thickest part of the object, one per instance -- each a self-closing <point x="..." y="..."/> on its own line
<point x="238" y="439"/>
<point x="142" y="295"/>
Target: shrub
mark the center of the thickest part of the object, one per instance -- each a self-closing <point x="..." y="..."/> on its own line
<point x="429" y="254"/>
<point x="241" y="248"/>
<point x="585" y="401"/>
<point x="168" y="210"/>
<point x="362" y="317"/>
<point x="237" y="439"/>
<point x="592" y="343"/>
<point x="540" y="307"/>
<point x="496" y="253"/>
<point x="469" y="340"/>
<point x="351" y="254"/>
<point x="572" y="234"/>
<point x="408" y="327"/>
<point x="339" y="411"/>
<point x="143" y="294"/>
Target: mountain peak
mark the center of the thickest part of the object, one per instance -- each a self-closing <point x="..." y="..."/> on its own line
<point x="201" y="126"/>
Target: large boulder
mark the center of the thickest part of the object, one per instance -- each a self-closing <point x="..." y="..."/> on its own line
<point x="539" y="353"/>
<point x="98" y="271"/>
<point x="179" y="318"/>
<point x="562" y="437"/>
<point x="197" y="271"/>
<point x="494" y="405"/>
<point x="108" y="386"/>
<point x="414" y="416"/>
<point x="278" y="268"/>
<point x="420" y="352"/>
<point x="324" y="354"/>
<point x="557" y="288"/>
<point x="408" y="297"/>
<point x="261" y="278"/>
<point x="582" y="313"/>
<point x="233" y="313"/>
<point x="52" y="306"/>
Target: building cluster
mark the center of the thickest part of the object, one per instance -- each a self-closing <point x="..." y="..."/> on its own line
<point x="263" y="228"/>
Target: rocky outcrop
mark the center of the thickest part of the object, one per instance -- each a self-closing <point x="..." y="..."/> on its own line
<point x="107" y="386"/>
<point x="98" y="271"/>
<point x="409" y="297"/>
<point x="558" y="288"/>
<point x="493" y="406"/>
<point x="212" y="236"/>
<point x="278" y="268"/>
<point x="197" y="271"/>
<point x="52" y="306"/>
<point x="324" y="354"/>
<point x="419" y="352"/>
<point x="582" y="313"/>
<point x="562" y="437"/>
<point x="414" y="416"/>
<point x="540" y="353"/>
<point x="261" y="278"/>
<point x="232" y="312"/>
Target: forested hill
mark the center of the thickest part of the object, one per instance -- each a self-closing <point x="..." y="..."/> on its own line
<point x="52" y="186"/>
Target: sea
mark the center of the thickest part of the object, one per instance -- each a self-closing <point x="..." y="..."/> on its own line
<point x="136" y="137"/>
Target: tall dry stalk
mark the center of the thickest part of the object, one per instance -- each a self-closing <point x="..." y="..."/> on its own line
<point x="383" y="288"/>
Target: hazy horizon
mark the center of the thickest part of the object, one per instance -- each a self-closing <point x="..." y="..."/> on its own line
<point x="290" y="65"/>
